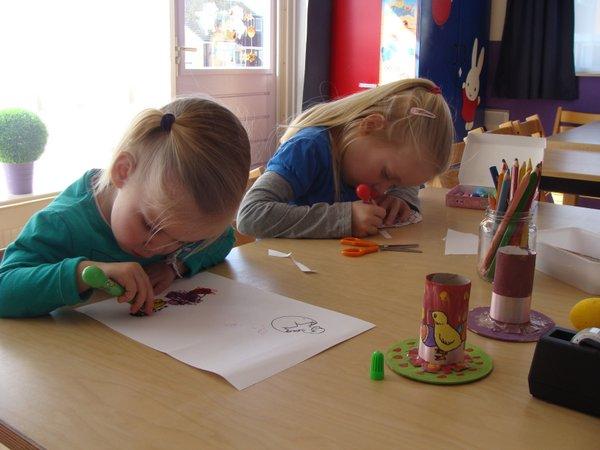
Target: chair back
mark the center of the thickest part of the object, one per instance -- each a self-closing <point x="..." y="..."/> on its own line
<point x="14" y="214"/>
<point x="477" y="130"/>
<point x="505" y="128"/>
<point x="531" y="127"/>
<point x="449" y="178"/>
<point x="254" y="175"/>
<point x="565" y="120"/>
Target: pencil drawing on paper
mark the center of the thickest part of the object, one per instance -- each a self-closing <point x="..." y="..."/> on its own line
<point x="294" y="324"/>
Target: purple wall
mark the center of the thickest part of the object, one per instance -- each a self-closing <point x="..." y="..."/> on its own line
<point x="589" y="97"/>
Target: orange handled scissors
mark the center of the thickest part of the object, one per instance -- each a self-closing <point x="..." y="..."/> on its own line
<point x="361" y="247"/>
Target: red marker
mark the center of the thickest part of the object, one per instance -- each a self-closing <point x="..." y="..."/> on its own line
<point x="364" y="192"/>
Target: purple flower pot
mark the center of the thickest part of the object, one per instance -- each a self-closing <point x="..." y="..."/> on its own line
<point x="19" y="178"/>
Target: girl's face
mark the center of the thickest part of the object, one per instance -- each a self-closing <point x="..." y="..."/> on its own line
<point x="381" y="165"/>
<point x="134" y="224"/>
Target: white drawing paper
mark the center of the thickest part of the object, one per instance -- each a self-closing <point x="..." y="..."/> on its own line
<point x="414" y="217"/>
<point x="458" y="243"/>
<point x="239" y="332"/>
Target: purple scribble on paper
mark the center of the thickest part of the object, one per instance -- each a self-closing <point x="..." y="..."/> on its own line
<point x="192" y="297"/>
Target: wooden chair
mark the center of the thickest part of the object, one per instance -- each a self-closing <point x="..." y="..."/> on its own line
<point x="449" y="178"/>
<point x="253" y="176"/>
<point x="477" y="130"/>
<point x="241" y="239"/>
<point x="505" y="128"/>
<point x="14" y="214"/>
<point x="531" y="127"/>
<point x="572" y="119"/>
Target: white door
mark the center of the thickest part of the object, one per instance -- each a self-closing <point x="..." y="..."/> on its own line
<point x="226" y="49"/>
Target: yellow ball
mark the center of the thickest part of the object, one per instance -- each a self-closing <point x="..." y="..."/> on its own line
<point x="586" y="313"/>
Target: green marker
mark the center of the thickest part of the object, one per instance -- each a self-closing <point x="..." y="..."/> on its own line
<point x="377" y="365"/>
<point x="94" y="277"/>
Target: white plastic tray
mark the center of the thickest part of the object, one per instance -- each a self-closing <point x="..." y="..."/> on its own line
<point x="556" y="256"/>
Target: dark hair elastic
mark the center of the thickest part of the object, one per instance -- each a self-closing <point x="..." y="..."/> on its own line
<point x="166" y="122"/>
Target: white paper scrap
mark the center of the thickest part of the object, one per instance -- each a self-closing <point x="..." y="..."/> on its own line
<point x="458" y="243"/>
<point x="385" y="234"/>
<point x="298" y="264"/>
<point x="237" y="331"/>
<point x="302" y="267"/>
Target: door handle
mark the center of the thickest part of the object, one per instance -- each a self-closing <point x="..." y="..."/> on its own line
<point x="185" y="49"/>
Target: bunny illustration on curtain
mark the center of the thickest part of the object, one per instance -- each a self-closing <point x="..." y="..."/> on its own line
<point x="470" y="87"/>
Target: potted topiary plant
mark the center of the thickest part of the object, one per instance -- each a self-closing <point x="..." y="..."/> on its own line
<point x="23" y="137"/>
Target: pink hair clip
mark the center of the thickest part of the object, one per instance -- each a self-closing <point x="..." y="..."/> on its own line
<point x="414" y="111"/>
<point x="435" y="90"/>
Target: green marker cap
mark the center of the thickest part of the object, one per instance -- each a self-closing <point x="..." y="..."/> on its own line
<point x="94" y="277"/>
<point x="377" y="365"/>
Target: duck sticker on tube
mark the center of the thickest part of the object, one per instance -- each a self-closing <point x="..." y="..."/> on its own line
<point x="444" y="316"/>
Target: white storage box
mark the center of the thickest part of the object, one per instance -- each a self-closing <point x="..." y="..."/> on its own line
<point x="482" y="151"/>
<point x="572" y="255"/>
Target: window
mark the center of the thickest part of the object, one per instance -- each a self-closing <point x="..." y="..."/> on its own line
<point x="227" y="34"/>
<point x="86" y="68"/>
<point x="587" y="37"/>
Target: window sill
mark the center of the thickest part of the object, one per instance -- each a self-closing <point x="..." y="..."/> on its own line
<point x="11" y="200"/>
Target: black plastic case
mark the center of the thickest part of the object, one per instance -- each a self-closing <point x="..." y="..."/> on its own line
<point x="565" y="373"/>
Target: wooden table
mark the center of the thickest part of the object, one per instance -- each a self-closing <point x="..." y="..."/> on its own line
<point x="585" y="137"/>
<point x="69" y="382"/>
<point x="572" y="161"/>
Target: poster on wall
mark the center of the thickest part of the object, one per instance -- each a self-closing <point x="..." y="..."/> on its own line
<point x="398" y="40"/>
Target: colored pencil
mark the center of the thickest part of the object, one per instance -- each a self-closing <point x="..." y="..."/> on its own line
<point x="503" y="195"/>
<point x="494" y="174"/>
<point x="525" y="233"/>
<point x="514" y="175"/>
<point x="499" y="185"/>
<point x="522" y="170"/>
<point x="516" y="237"/>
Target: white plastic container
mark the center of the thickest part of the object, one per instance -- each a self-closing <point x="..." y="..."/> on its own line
<point x="482" y="151"/>
<point x="556" y="256"/>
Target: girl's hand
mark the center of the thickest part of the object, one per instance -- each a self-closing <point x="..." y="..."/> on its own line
<point x="134" y="280"/>
<point x="397" y="210"/>
<point x="366" y="217"/>
<point x="161" y="276"/>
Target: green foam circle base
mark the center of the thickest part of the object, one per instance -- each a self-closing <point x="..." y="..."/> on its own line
<point x="477" y="365"/>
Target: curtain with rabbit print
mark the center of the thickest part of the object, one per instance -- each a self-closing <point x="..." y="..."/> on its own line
<point x="536" y="55"/>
